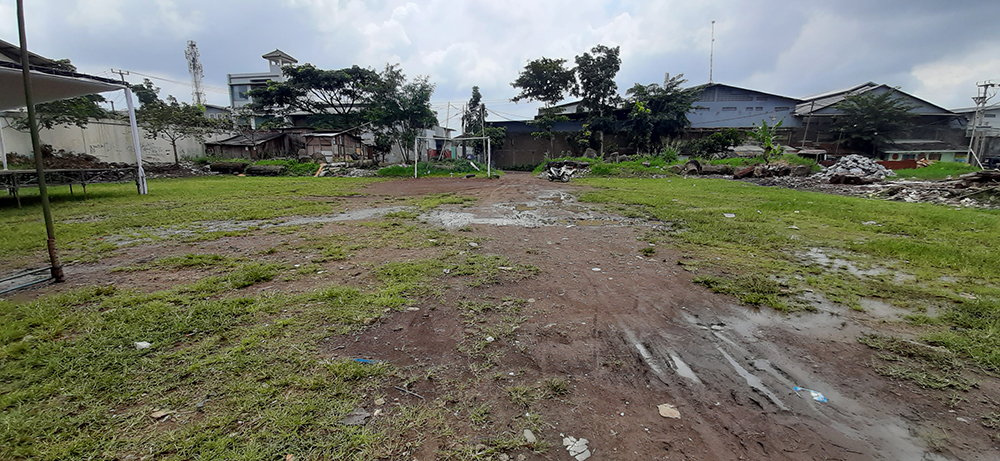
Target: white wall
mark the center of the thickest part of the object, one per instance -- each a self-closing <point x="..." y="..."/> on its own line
<point x="108" y="140"/>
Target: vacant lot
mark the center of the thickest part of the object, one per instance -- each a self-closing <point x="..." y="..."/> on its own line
<point x="441" y="318"/>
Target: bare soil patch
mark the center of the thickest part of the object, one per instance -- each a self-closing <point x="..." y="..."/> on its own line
<point x="626" y="332"/>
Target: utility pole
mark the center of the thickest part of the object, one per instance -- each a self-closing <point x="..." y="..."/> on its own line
<point x="986" y="91"/>
<point x="36" y="144"/>
<point x="711" y="54"/>
<point x="121" y="73"/>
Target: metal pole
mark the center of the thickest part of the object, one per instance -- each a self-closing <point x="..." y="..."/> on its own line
<point x="3" y="152"/>
<point x="143" y="190"/>
<point x="489" y="158"/>
<point x="415" y="156"/>
<point x="57" y="272"/>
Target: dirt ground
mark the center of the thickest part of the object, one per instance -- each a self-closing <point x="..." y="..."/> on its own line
<point x="629" y="332"/>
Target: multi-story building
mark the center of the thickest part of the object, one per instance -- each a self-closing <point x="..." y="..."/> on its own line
<point x="241" y="84"/>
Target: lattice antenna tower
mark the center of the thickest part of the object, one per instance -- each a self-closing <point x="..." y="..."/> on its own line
<point x="194" y="67"/>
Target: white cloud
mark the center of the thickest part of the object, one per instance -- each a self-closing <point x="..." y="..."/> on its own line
<point x="97" y="14"/>
<point x="952" y="81"/>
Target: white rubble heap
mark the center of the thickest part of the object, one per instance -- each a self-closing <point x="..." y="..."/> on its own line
<point x="858" y="166"/>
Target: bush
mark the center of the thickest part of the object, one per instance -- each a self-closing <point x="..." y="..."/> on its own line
<point x="716" y="143"/>
<point x="294" y="168"/>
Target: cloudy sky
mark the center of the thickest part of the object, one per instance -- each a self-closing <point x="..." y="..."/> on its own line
<point x="934" y="49"/>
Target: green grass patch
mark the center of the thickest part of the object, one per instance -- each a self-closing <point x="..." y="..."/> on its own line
<point x="294" y="168"/>
<point x="927" y="366"/>
<point x="916" y="256"/>
<point x="186" y="261"/>
<point x="939" y="170"/>
<point x="232" y="377"/>
<point x="89" y="226"/>
<point x="431" y="201"/>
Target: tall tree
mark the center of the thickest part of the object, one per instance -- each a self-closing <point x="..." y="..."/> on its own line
<point x="548" y="81"/>
<point x="474" y="124"/>
<point x="336" y="99"/>
<point x="170" y="119"/>
<point x="659" y="112"/>
<point x="400" y="109"/>
<point x="596" y="74"/>
<point x="872" y="120"/>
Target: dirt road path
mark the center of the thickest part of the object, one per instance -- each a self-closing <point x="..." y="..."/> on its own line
<point x="634" y="332"/>
<point x="628" y="331"/>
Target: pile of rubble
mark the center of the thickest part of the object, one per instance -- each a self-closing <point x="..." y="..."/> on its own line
<point x="347" y="169"/>
<point x="174" y="170"/>
<point x="980" y="189"/>
<point x="855" y="169"/>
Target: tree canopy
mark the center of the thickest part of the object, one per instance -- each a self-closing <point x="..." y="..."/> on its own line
<point x="596" y="74"/>
<point x="545" y="80"/>
<point x="474" y="124"/>
<point x="336" y="99"/>
<point x="170" y="119"/>
<point x="399" y="109"/>
<point x="658" y="112"/>
<point x="869" y="120"/>
<point x="74" y="111"/>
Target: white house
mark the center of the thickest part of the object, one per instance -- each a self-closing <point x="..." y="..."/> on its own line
<point x="240" y="84"/>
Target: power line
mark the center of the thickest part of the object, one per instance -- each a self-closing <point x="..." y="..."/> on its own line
<point x="187" y="84"/>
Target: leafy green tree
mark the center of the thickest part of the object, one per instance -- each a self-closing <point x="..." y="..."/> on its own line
<point x="400" y="109"/>
<point x="170" y="119"/>
<point x="658" y="112"/>
<point x="74" y="111"/>
<point x="596" y="74"/>
<point x="336" y="99"/>
<point x="474" y="124"/>
<point x="547" y="81"/>
<point x="872" y="120"/>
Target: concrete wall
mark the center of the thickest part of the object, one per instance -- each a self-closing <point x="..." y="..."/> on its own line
<point x="108" y="140"/>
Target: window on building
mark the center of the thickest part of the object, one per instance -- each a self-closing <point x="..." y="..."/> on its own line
<point x="762" y="98"/>
<point x="240" y="92"/>
<point x="758" y="108"/>
<point x="990" y="115"/>
<point x="749" y="109"/>
<point x="727" y="109"/>
<point x="780" y="109"/>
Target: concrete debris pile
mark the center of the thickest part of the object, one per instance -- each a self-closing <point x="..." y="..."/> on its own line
<point x="174" y="170"/>
<point x="855" y="169"/>
<point x="980" y="189"/>
<point x="347" y="169"/>
<point x="772" y="170"/>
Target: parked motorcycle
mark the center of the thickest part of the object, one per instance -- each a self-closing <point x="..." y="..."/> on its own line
<point x="561" y="170"/>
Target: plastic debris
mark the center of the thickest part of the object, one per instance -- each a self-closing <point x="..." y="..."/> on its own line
<point x="817" y="396"/>
<point x="529" y="436"/>
<point x="368" y="361"/>
<point x="577" y="448"/>
<point x="142" y="345"/>
<point x="729" y="215"/>
<point x="668" y="411"/>
<point x="596" y="269"/>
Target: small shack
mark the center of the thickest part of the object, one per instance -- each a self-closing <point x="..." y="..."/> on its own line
<point x="334" y="147"/>
<point x="260" y="145"/>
